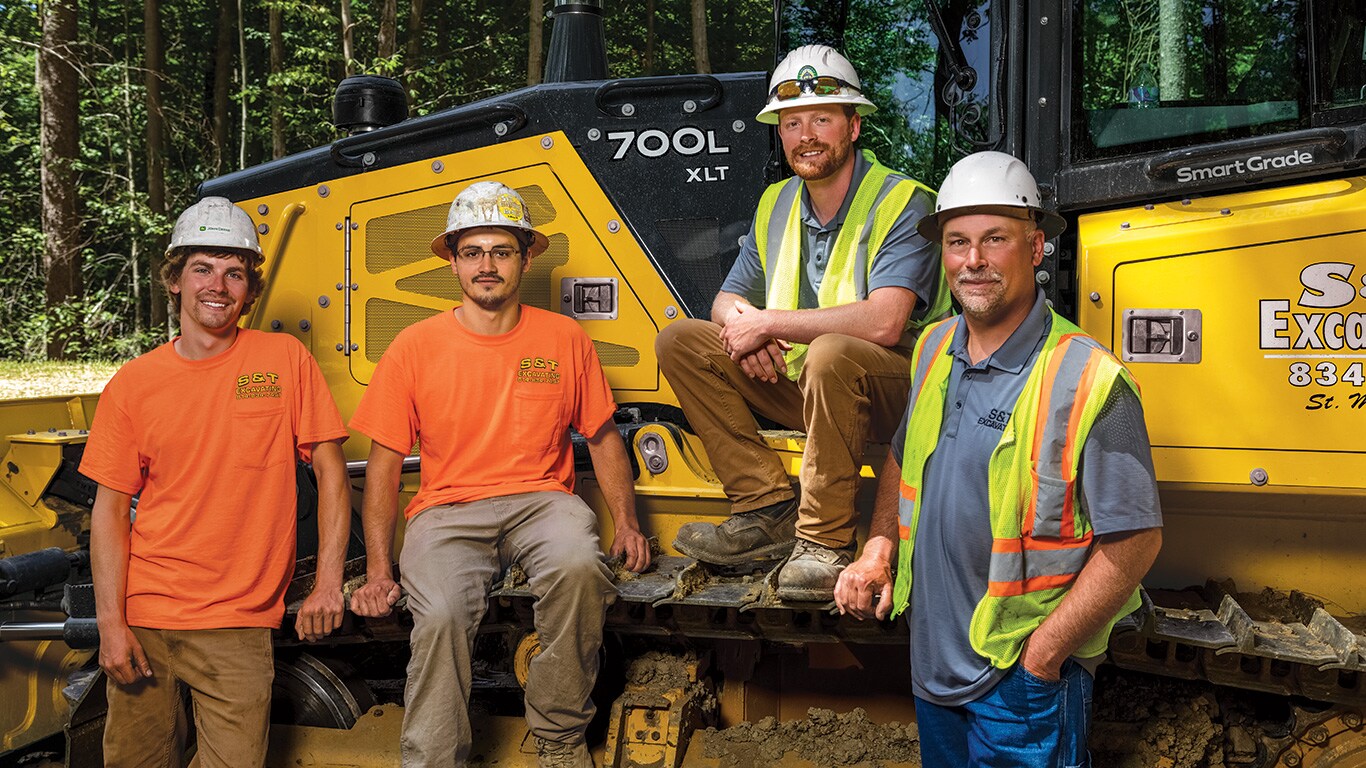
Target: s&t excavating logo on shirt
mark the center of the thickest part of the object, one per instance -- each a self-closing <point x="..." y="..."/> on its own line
<point x="258" y="384"/>
<point x="538" y="370"/>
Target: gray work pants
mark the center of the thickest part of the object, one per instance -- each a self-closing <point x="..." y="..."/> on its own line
<point x="451" y="556"/>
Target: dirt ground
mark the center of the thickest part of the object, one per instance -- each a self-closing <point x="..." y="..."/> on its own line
<point x="1146" y="722"/>
<point x="1140" y="722"/>
<point x="823" y="738"/>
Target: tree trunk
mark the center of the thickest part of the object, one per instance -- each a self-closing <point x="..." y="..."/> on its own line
<point x="277" y="67"/>
<point x="649" y="37"/>
<point x="1172" y="49"/>
<point x="242" y="71"/>
<point x="59" y="138"/>
<point x="156" y="171"/>
<point x="699" y="37"/>
<point x="348" y="48"/>
<point x="414" y="50"/>
<point x="535" y="50"/>
<point x="134" y="252"/>
<point x="388" y="29"/>
<point x="222" y="75"/>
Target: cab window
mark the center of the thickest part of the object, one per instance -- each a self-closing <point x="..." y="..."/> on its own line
<point x="1156" y="74"/>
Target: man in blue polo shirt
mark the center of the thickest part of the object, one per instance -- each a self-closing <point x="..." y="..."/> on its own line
<point x="812" y="329"/>
<point x="1021" y="478"/>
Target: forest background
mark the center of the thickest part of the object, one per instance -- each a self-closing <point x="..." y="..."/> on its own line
<point x="112" y="114"/>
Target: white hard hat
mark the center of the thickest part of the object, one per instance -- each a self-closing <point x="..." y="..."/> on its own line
<point x="489" y="204"/>
<point x="813" y="75"/>
<point x="989" y="182"/>
<point x="215" y="222"/>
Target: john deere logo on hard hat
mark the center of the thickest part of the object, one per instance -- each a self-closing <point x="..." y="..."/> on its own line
<point x="510" y="207"/>
<point x="807" y="72"/>
<point x="203" y="228"/>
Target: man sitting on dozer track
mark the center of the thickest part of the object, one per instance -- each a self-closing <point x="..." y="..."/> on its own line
<point x="491" y="389"/>
<point x="812" y="329"/>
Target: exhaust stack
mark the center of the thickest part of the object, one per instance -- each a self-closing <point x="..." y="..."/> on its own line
<point x="578" y="47"/>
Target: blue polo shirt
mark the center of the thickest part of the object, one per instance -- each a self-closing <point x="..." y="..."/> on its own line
<point x="953" y="538"/>
<point x="905" y="260"/>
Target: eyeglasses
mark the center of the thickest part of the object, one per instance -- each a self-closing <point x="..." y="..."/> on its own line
<point x="472" y="254"/>
<point x="825" y="85"/>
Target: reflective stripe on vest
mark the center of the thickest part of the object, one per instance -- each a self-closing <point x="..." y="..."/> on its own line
<point x="936" y="339"/>
<point x="1041" y="539"/>
<point x="878" y="202"/>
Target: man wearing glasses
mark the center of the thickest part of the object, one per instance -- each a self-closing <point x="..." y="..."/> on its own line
<point x="491" y="390"/>
<point x="812" y="329"/>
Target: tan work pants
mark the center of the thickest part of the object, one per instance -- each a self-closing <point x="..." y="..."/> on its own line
<point x="228" y="672"/>
<point x="849" y="390"/>
<point x="451" y="556"/>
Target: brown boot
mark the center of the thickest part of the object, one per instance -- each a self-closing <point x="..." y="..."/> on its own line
<point x="760" y="536"/>
<point x="810" y="574"/>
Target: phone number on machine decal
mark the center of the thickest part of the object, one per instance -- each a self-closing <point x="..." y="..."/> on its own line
<point x="1325" y="374"/>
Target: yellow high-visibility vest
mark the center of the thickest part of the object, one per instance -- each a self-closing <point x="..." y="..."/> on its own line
<point x="878" y="202"/>
<point x="1041" y="536"/>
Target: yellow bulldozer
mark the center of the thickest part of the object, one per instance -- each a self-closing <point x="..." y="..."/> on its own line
<point x="1208" y="157"/>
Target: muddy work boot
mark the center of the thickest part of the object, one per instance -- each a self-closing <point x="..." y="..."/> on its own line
<point x="810" y="574"/>
<point x="558" y="754"/>
<point x="757" y="537"/>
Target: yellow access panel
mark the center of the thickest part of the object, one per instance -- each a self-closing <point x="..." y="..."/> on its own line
<point x="1243" y="318"/>
<point x="594" y="269"/>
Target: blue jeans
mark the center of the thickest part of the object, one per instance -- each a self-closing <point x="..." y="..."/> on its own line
<point x="1023" y="722"/>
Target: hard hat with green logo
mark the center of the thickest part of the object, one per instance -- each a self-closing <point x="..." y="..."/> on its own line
<point x="489" y="204"/>
<point x="813" y="75"/>
<point x="215" y="222"/>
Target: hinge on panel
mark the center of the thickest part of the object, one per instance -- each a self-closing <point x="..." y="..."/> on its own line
<point x="346" y="289"/>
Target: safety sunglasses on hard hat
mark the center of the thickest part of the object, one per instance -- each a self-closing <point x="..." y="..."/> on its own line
<point x="824" y="85"/>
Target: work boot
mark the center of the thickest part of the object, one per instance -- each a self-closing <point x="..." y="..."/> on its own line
<point x="756" y="537"/>
<point x="558" y="754"/>
<point x="810" y="574"/>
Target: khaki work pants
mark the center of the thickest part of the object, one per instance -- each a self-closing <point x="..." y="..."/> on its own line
<point x="451" y="556"/>
<point x="849" y="391"/>
<point x="228" y="673"/>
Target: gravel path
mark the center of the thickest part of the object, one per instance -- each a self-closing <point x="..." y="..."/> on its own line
<point x="46" y="379"/>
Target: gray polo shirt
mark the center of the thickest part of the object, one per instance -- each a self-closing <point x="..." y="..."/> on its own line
<point x="906" y="260"/>
<point x="953" y="539"/>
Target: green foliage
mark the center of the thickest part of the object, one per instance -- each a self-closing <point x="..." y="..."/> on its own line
<point x="466" y="50"/>
<point x="891" y="44"/>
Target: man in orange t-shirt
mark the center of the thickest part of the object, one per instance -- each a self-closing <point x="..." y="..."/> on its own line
<point x="492" y="389"/>
<point x="205" y="430"/>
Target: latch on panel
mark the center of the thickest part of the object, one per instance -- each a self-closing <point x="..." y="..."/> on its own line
<point x="589" y="298"/>
<point x="1161" y="336"/>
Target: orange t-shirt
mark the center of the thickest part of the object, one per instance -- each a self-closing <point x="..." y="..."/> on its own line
<point x="492" y="412"/>
<point x="210" y="446"/>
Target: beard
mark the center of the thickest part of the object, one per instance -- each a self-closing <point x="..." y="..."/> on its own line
<point x="980" y="300"/>
<point x="489" y="297"/>
<point x="821" y="167"/>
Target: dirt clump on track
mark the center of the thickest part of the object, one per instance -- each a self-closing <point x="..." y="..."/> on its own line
<point x="1145" y="722"/>
<point x="661" y="671"/>
<point x="823" y="738"/>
